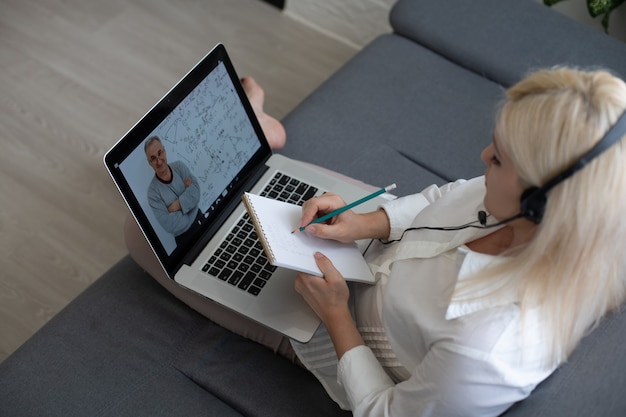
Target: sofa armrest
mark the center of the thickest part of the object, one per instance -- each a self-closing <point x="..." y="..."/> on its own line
<point x="515" y="37"/>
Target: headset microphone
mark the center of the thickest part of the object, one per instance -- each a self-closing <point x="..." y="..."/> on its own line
<point x="482" y="217"/>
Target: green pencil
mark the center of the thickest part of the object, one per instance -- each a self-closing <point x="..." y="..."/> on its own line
<point x="347" y="207"/>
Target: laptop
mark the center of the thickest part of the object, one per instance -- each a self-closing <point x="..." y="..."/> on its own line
<point x="182" y="170"/>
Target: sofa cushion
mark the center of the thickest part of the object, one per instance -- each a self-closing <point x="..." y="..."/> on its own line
<point x="127" y="347"/>
<point x="251" y="378"/>
<point x="515" y="36"/>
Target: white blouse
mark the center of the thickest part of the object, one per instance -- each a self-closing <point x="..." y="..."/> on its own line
<point x="426" y="356"/>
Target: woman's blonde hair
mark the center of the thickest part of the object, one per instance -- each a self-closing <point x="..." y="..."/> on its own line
<point x="572" y="272"/>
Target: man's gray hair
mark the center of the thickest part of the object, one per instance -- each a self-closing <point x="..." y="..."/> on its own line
<point x="149" y="142"/>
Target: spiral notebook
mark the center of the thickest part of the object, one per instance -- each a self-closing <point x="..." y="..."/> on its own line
<point x="274" y="221"/>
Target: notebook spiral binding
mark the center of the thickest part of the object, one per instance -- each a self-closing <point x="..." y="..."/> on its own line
<point x="257" y="225"/>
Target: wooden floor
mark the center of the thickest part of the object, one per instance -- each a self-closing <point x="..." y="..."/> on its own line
<point x="74" y="76"/>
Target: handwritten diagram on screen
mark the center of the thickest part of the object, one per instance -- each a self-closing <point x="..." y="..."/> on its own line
<point x="211" y="133"/>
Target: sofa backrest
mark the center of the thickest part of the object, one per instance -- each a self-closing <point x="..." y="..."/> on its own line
<point x="515" y="37"/>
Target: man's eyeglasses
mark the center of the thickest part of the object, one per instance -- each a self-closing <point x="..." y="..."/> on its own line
<point x="152" y="160"/>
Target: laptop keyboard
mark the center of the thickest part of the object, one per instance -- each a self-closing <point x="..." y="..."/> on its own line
<point x="240" y="260"/>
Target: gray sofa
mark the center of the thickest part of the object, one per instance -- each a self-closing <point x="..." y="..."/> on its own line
<point x="415" y="107"/>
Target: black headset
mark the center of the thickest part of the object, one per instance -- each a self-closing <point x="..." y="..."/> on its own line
<point x="533" y="200"/>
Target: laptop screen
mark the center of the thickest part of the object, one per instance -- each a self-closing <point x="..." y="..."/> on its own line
<point x="181" y="165"/>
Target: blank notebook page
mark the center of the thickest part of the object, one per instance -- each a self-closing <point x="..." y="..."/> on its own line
<point x="275" y="220"/>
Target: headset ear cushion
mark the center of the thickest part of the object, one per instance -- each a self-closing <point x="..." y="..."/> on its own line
<point x="533" y="204"/>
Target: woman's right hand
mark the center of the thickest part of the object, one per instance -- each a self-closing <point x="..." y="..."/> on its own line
<point x="346" y="227"/>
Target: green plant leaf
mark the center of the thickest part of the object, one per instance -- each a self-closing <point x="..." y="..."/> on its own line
<point x="596" y="8"/>
<point x="599" y="7"/>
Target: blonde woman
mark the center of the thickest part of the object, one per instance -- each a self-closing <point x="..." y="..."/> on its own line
<point x="466" y="321"/>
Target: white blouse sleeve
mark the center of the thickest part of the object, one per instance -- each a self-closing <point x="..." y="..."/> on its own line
<point x="402" y="211"/>
<point x="452" y="380"/>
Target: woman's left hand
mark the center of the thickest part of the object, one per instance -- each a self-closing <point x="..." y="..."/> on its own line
<point x="327" y="295"/>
